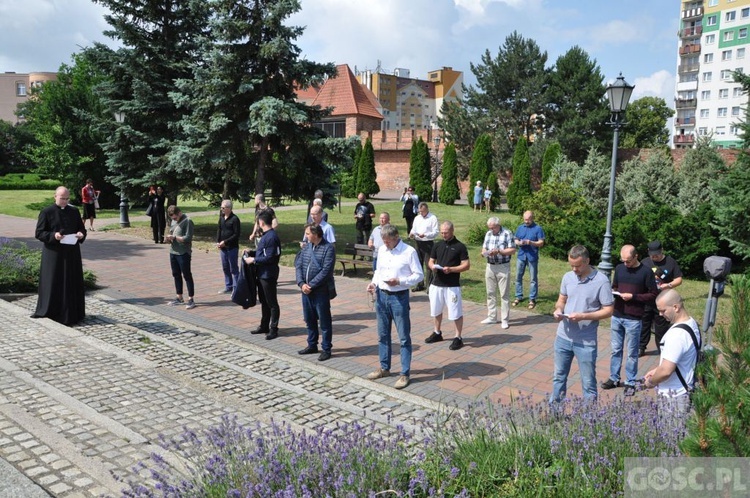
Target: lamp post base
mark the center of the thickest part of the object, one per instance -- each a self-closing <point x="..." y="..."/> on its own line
<point x="124" y="220"/>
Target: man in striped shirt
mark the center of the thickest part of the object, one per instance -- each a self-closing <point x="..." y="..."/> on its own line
<point x="498" y="247"/>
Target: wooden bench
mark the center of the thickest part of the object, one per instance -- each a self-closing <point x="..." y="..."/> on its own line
<point x="361" y="255"/>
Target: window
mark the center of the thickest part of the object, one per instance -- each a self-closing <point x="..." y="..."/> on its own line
<point x="730" y="16"/>
<point x="708" y="58"/>
<point x="740" y="53"/>
<point x="742" y="33"/>
<point x="711" y="20"/>
<point x="713" y="3"/>
<point x="745" y="12"/>
<point x="734" y="130"/>
<point x="704" y="113"/>
<point x="707" y="77"/>
<point x="728" y="36"/>
<point x="334" y="129"/>
<point x="706" y="95"/>
<point x="726" y="55"/>
<point x="737" y="92"/>
<point x="721" y="130"/>
<point x="20" y="89"/>
<point x="726" y="74"/>
<point x="721" y="112"/>
<point x="724" y="93"/>
<point x="736" y="110"/>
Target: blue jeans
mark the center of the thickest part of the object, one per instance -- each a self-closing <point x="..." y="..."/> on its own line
<point x="622" y="328"/>
<point x="565" y="350"/>
<point x="390" y="309"/>
<point x="230" y="266"/>
<point x="521" y="265"/>
<point x="180" y="264"/>
<point x="316" y="306"/>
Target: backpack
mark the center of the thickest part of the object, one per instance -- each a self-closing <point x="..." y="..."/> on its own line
<point x="699" y="358"/>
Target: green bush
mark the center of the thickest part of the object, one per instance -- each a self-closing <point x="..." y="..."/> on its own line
<point x="27" y="181"/>
<point x="475" y="233"/>
<point x="19" y="268"/>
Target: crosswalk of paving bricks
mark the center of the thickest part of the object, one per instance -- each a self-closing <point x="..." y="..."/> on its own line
<point x="80" y="407"/>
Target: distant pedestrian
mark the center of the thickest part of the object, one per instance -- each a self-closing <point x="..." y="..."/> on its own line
<point x="409" y="208"/>
<point x="60" y="228"/>
<point x="228" y="243"/>
<point x="316" y="214"/>
<point x="585" y="298"/>
<point x="529" y="238"/>
<point x="317" y="200"/>
<point x="266" y="261"/>
<point x="89" y="199"/>
<point x="498" y="247"/>
<point x="376" y="238"/>
<point x="448" y="260"/>
<point x="314" y="273"/>
<point x="667" y="275"/>
<point x="260" y="205"/>
<point x="398" y="269"/>
<point x="180" y="238"/>
<point x="364" y="212"/>
<point x="488" y="199"/>
<point x="423" y="231"/>
<point x="478" y="197"/>
<point x="156" y="200"/>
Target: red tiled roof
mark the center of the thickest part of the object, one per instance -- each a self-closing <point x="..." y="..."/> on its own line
<point x="346" y="95"/>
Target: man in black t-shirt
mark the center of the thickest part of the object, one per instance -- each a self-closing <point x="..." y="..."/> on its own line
<point x="364" y="212"/>
<point x="448" y="259"/>
<point x="668" y="276"/>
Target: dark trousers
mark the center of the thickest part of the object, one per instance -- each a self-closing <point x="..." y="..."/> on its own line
<point x="424" y="249"/>
<point x="409" y="222"/>
<point x="270" y="312"/>
<point x="180" y="264"/>
<point x="660" y="324"/>
<point x="316" y="307"/>
<point x="363" y="235"/>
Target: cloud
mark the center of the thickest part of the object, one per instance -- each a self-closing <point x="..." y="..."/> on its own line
<point x="659" y="84"/>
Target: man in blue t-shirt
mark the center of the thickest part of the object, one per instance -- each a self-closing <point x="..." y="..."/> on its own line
<point x="529" y="239"/>
<point x="585" y="298"/>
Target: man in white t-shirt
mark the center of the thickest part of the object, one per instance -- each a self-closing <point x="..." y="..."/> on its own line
<point x="678" y="354"/>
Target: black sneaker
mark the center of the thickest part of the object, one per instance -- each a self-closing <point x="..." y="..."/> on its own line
<point x="456" y="344"/>
<point x="641" y="352"/>
<point x="611" y="384"/>
<point x="629" y="390"/>
<point x="434" y="337"/>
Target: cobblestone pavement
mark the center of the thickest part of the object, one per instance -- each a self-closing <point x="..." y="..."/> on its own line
<point x="79" y="407"/>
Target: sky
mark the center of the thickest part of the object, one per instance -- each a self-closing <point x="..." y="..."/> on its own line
<point x="637" y="38"/>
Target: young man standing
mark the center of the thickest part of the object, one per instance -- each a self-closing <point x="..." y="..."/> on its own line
<point x="180" y="239"/>
<point x="364" y="212"/>
<point x="266" y="260"/>
<point x="529" y="239"/>
<point x="228" y="243"/>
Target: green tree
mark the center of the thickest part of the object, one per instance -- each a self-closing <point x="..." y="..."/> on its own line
<point x="576" y="112"/>
<point x="552" y="154"/>
<point x="699" y="168"/>
<point x="461" y="128"/>
<point x="590" y="179"/>
<point x="63" y="116"/>
<point x="449" y="190"/>
<point x="481" y="163"/>
<point x="491" y="183"/>
<point x="367" y="177"/>
<point x="720" y="426"/>
<point x="14" y="139"/>
<point x="642" y="182"/>
<point x="420" y="170"/>
<point x="646" y="124"/>
<point x="349" y="176"/>
<point x="520" y="185"/>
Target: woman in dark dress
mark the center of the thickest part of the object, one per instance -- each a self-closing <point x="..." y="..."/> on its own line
<point x="156" y="199"/>
<point x="61" y="293"/>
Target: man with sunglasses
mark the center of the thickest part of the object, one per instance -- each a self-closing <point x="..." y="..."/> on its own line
<point x="228" y="242"/>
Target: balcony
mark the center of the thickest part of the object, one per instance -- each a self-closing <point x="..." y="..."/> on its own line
<point x="685" y="121"/>
<point x="688" y="68"/>
<point x="690" y="49"/>
<point x="684" y="139"/>
<point x="692" y="32"/>
<point x="685" y="103"/>
<point x="692" y="13"/>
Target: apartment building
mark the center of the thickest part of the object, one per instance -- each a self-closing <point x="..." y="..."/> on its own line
<point x="16" y="88"/>
<point x="410" y="103"/>
<point x="713" y="42"/>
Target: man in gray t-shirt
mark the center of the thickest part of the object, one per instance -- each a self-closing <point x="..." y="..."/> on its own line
<point x="585" y="298"/>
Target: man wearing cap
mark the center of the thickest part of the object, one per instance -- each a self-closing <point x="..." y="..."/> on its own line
<point x="668" y="276"/>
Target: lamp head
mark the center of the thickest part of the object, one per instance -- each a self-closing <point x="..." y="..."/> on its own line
<point x="619" y="94"/>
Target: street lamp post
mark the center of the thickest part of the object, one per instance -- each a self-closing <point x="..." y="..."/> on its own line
<point x="618" y="94"/>
<point x="436" y="140"/>
<point x="124" y="205"/>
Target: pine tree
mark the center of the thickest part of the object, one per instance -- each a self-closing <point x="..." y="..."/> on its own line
<point x="520" y="185"/>
<point x="551" y="155"/>
<point x="720" y="426"/>
<point x="420" y="170"/>
<point x="481" y="163"/>
<point x="367" y="176"/>
<point x="449" y="191"/>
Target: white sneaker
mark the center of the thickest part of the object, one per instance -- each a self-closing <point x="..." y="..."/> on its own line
<point x="504" y="325"/>
<point x="488" y="320"/>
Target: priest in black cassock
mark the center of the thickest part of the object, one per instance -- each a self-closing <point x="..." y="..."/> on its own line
<point x="61" y="293"/>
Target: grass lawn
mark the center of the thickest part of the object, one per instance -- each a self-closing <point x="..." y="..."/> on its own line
<point x="27" y="203"/>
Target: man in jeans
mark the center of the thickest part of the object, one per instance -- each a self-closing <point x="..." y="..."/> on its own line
<point x="529" y="238"/>
<point x="585" y="298"/>
<point x="180" y="238"/>
<point x="228" y="243"/>
<point x="398" y="269"/>
<point x="633" y="286"/>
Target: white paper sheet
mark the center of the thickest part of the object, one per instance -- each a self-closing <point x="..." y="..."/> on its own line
<point x="69" y="239"/>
